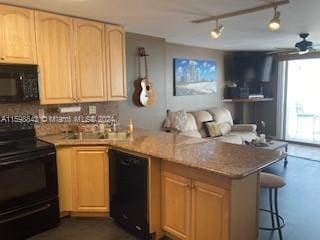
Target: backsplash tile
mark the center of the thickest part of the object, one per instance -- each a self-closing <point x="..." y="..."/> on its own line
<point x="106" y="109"/>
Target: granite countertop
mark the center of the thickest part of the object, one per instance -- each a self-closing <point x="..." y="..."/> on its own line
<point x="229" y="160"/>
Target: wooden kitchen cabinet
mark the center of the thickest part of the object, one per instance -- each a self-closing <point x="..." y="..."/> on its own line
<point x="64" y="169"/>
<point x="17" y="34"/>
<point x="176" y="205"/>
<point x="79" y="60"/>
<point x="90" y="61"/>
<point x="116" y="62"/>
<point x="90" y="177"/>
<point x="55" y="50"/>
<point x="194" y="210"/>
<point x="83" y="178"/>
<point x="209" y="212"/>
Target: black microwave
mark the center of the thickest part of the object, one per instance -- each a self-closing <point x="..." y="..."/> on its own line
<point x="18" y="83"/>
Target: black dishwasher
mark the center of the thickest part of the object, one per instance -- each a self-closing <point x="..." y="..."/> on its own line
<point x="128" y="192"/>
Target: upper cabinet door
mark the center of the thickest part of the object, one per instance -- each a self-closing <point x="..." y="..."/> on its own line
<point x="55" y="48"/>
<point x="116" y="63"/>
<point x="90" y="61"/>
<point x="18" y="35"/>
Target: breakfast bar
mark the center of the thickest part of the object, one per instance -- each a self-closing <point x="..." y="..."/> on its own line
<point x="197" y="188"/>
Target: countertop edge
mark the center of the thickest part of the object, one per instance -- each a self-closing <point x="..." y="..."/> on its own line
<point x="109" y="143"/>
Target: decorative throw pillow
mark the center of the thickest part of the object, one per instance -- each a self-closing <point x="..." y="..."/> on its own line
<point x="212" y="129"/>
<point x="178" y="120"/>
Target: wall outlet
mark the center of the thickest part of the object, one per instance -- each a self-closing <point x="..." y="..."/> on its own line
<point x="41" y="112"/>
<point x="92" y="109"/>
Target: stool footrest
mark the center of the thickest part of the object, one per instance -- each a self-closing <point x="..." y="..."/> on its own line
<point x="275" y="228"/>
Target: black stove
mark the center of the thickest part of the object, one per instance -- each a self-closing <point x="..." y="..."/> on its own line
<point x="23" y="146"/>
<point x="28" y="182"/>
<point x="19" y="138"/>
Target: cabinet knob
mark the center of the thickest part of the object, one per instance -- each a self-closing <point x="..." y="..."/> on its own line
<point x="2" y="58"/>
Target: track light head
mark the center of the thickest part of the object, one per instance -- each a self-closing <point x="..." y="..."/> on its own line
<point x="274" y="24"/>
<point x="216" y="32"/>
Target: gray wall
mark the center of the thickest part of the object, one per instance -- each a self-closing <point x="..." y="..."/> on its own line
<point x="150" y="118"/>
<point x="200" y="101"/>
<point x="161" y="56"/>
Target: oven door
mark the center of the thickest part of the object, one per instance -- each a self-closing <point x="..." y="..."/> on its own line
<point x="27" y="178"/>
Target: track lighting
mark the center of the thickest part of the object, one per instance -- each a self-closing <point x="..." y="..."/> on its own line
<point x="274" y="24"/>
<point x="216" y="33"/>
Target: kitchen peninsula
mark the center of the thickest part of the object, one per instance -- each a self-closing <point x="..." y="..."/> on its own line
<point x="198" y="188"/>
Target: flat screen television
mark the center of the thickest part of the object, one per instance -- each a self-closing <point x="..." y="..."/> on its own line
<point x="252" y="70"/>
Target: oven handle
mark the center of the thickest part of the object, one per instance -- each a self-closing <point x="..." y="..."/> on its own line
<point x="8" y="163"/>
<point x="7" y="143"/>
<point x="40" y="209"/>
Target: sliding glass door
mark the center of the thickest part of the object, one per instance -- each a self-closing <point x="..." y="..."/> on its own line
<point x="302" y="98"/>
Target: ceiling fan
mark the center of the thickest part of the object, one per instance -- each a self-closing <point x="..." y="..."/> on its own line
<point x="301" y="47"/>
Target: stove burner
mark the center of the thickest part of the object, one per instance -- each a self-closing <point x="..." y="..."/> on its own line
<point x="18" y="138"/>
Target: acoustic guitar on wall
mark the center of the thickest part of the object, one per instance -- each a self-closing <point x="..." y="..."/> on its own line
<point x="144" y="92"/>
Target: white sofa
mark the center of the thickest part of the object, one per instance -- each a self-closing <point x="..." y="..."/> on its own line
<point x="194" y="125"/>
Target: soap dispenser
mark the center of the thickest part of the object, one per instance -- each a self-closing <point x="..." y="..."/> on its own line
<point x="130" y="127"/>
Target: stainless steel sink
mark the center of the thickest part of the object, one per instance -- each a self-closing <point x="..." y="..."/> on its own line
<point x="98" y="135"/>
<point x="93" y="135"/>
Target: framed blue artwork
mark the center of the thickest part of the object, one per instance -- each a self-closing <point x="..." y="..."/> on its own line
<point x="194" y="77"/>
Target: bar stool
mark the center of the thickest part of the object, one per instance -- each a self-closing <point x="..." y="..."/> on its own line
<point x="273" y="183"/>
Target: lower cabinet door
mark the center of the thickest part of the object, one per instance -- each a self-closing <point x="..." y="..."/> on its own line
<point x="210" y="217"/>
<point x="90" y="179"/>
<point x="176" y="205"/>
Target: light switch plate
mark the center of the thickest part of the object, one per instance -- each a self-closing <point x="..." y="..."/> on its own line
<point x="92" y="109"/>
<point x="41" y="112"/>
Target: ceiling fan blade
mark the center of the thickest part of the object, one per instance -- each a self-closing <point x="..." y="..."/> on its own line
<point x="315" y="49"/>
<point x="288" y="49"/>
<point x="283" y="51"/>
